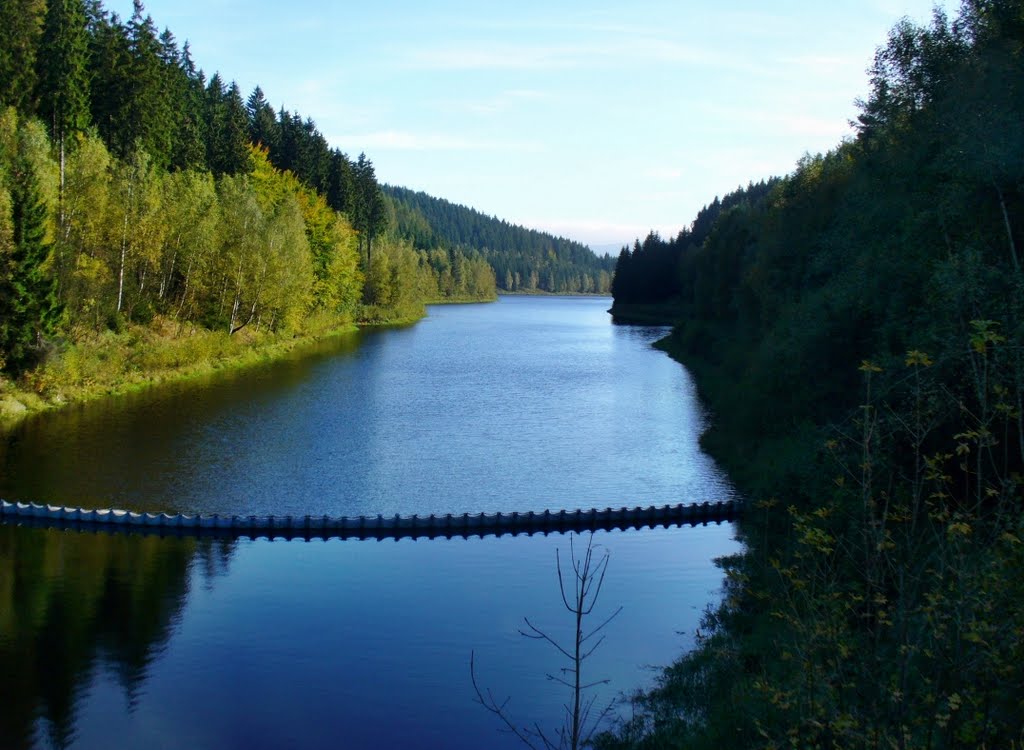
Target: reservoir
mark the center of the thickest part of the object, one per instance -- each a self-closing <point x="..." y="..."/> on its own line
<point x="531" y="403"/>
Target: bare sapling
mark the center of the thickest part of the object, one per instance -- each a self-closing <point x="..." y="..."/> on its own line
<point x="580" y="590"/>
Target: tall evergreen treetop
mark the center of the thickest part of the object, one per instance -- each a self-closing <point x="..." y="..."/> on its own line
<point x="150" y="112"/>
<point x="190" y="113"/>
<point x="29" y="308"/>
<point x="263" y="127"/>
<point x="63" y="70"/>
<point x="110" y="63"/>
<point x="20" y="28"/>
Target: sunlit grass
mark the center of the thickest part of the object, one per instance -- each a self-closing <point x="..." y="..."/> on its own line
<point x="110" y="362"/>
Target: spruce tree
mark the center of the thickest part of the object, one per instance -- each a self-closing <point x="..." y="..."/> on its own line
<point x="190" y="148"/>
<point x="319" y="157"/>
<point x="29" y="308"/>
<point x="20" y="25"/>
<point x="214" y="119"/>
<point x="150" y="121"/>
<point x="339" y="184"/>
<point x="369" y="212"/>
<point x="64" y="77"/>
<point x="111" y="96"/>
<point x="263" y="127"/>
<point x="286" y="155"/>
<point x="234" y="140"/>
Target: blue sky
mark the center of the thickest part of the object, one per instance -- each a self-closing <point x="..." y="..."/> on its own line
<point x="594" y="120"/>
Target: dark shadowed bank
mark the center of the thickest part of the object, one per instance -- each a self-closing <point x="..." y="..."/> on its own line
<point x="855" y="329"/>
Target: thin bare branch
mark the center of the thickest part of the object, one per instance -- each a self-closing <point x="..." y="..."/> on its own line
<point x="499" y="710"/>
<point x="598" y="629"/>
<point x="592" y="649"/>
<point x="539" y="634"/>
<point x="579" y="722"/>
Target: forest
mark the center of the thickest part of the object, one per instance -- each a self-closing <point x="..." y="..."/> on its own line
<point x="855" y="329"/>
<point x="524" y="260"/>
<point x="149" y="217"/>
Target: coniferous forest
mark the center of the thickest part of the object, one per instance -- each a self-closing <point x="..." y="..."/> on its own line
<point x="856" y="331"/>
<point x="524" y="260"/>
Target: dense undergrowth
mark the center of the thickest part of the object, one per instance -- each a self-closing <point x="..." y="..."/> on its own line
<point x="857" y="334"/>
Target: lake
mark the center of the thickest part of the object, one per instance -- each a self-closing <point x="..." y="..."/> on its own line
<point x="526" y="404"/>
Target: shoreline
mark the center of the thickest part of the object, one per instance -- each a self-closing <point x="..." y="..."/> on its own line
<point x="43" y="389"/>
<point x="663" y="314"/>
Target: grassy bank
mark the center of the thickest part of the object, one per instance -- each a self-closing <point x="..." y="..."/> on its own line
<point x="462" y="300"/>
<point x="104" y="364"/>
<point x="761" y="462"/>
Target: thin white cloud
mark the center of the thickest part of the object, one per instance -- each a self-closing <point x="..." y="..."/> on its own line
<point x="663" y="173"/>
<point x="477" y="56"/>
<point x="397" y="140"/>
<point x="503" y="102"/>
<point x="632" y="51"/>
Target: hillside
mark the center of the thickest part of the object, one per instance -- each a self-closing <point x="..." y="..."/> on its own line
<point x="524" y="260"/>
<point x="856" y="330"/>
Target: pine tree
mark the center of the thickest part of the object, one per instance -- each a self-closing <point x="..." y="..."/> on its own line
<point x="29" y="309"/>
<point x="318" y="167"/>
<point x="234" y="140"/>
<point x="110" y="64"/>
<point x="339" y="184"/>
<point x="227" y="128"/>
<point x="369" y="212"/>
<point x="213" y="120"/>
<point x="622" y="289"/>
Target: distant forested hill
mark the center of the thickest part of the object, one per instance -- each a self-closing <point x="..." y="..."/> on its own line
<point x="523" y="259"/>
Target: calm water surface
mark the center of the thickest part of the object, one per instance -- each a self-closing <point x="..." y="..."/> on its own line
<point x="131" y="641"/>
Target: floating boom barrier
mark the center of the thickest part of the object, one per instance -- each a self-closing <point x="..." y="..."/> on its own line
<point x="366" y="527"/>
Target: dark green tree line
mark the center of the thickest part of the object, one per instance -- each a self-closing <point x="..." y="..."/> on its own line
<point x="64" y="75"/>
<point x="29" y="309"/>
<point x="22" y="23"/>
<point x="857" y="334"/>
<point x="651" y="272"/>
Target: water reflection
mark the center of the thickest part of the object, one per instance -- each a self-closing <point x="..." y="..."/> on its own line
<point x="142" y="450"/>
<point x="73" y="603"/>
<point x="114" y="638"/>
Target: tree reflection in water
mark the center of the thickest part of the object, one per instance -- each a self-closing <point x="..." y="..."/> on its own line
<point x="72" y="602"/>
